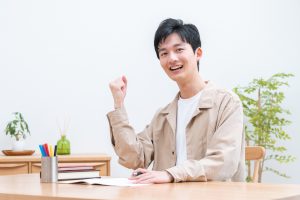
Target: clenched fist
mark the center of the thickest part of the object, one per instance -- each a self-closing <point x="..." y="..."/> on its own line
<point x="118" y="89"/>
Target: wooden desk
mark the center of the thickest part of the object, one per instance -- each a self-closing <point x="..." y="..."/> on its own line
<point x="10" y="165"/>
<point x="28" y="187"/>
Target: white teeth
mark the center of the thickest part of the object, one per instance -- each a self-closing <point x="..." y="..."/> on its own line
<point x="175" y="67"/>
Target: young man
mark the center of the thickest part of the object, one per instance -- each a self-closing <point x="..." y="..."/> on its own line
<point x="198" y="136"/>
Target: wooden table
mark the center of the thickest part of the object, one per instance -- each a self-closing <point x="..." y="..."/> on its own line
<point x="28" y="187"/>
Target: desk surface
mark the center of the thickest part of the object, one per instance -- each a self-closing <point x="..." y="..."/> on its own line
<point x="28" y="186"/>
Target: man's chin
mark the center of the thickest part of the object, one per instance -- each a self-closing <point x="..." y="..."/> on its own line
<point x="177" y="78"/>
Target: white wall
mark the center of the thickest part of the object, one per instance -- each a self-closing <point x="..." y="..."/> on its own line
<point x="57" y="58"/>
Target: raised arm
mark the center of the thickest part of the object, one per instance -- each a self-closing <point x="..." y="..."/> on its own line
<point x="118" y="89"/>
<point x="134" y="150"/>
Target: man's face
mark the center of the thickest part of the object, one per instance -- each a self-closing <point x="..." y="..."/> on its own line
<point x="178" y="59"/>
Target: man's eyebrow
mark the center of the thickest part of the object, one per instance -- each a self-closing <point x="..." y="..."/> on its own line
<point x="162" y="49"/>
<point x="179" y="44"/>
<point x="175" y="45"/>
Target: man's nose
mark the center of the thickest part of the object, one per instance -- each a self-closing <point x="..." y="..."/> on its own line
<point x="173" y="57"/>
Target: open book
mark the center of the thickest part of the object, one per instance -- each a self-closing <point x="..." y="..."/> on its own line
<point x="105" y="181"/>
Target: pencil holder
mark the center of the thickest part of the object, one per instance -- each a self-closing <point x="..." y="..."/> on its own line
<point x="49" y="169"/>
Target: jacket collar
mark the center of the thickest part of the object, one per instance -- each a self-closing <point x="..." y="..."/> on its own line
<point x="206" y="100"/>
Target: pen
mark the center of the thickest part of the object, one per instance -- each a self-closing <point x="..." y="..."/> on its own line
<point x="51" y="150"/>
<point x="46" y="149"/>
<point x="42" y="150"/>
<point x="55" y="149"/>
<point x="137" y="173"/>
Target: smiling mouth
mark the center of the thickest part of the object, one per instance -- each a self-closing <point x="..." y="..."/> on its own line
<point x="174" y="68"/>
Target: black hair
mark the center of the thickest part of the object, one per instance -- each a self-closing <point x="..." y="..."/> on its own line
<point x="188" y="33"/>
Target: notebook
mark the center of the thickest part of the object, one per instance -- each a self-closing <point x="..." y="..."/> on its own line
<point x="122" y="182"/>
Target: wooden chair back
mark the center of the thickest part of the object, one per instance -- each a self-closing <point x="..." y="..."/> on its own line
<point x="256" y="154"/>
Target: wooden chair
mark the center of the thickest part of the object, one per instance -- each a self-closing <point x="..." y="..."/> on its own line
<point x="256" y="154"/>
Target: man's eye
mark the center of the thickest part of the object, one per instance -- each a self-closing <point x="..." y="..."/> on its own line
<point x="163" y="54"/>
<point x="180" y="50"/>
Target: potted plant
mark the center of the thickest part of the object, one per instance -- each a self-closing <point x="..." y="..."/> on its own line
<point x="17" y="129"/>
<point x="266" y="119"/>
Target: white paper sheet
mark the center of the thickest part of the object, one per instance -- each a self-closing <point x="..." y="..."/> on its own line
<point x="106" y="181"/>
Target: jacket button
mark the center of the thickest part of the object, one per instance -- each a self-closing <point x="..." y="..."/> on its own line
<point x="173" y="152"/>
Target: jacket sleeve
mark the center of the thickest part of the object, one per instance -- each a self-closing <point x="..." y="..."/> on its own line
<point x="134" y="150"/>
<point x="224" y="149"/>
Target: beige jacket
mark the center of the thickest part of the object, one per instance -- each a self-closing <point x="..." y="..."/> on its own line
<point x="214" y="137"/>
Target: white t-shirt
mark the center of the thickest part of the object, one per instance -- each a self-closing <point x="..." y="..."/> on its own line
<point x="185" y="111"/>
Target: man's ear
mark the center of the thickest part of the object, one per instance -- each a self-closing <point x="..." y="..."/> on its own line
<point x="198" y="53"/>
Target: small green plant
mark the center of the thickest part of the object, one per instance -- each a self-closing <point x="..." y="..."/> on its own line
<point x="18" y="127"/>
<point x="265" y="119"/>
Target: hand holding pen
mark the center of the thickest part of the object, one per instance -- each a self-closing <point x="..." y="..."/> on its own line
<point x="148" y="176"/>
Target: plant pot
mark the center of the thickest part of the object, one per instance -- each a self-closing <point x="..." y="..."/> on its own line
<point x="18" y="145"/>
